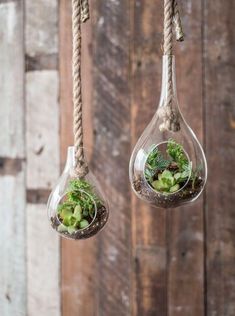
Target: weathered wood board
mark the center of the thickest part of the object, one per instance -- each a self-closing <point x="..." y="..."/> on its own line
<point x="43" y="158"/>
<point x="12" y="166"/>
<point x="149" y="247"/>
<point x="42" y="129"/>
<point x="43" y="269"/>
<point x="11" y="80"/>
<point x="219" y="59"/>
<point x="112" y="126"/>
<point x="12" y="244"/>
<point x="79" y="259"/>
<point x="185" y="224"/>
<point x="43" y="248"/>
<point x="41" y="27"/>
<point x="168" y="274"/>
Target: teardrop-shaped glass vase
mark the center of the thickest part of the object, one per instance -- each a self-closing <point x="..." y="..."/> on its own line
<point x="77" y="207"/>
<point x="168" y="167"/>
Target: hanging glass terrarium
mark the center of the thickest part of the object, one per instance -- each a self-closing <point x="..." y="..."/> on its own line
<point x="77" y="207"/>
<point x="168" y="166"/>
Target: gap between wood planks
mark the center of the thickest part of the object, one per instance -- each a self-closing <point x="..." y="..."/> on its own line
<point x="41" y="62"/>
<point x="10" y="166"/>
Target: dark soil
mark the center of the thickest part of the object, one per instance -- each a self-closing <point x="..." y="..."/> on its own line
<point x="161" y="200"/>
<point x="93" y="229"/>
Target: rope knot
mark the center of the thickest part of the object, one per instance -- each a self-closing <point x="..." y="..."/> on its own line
<point x="170" y="118"/>
<point x="81" y="169"/>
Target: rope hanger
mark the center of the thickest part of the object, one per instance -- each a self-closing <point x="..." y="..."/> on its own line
<point x="171" y="14"/>
<point x="80" y="14"/>
<point x="169" y="115"/>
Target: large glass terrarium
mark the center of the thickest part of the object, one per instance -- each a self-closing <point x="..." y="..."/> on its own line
<point x="168" y="166"/>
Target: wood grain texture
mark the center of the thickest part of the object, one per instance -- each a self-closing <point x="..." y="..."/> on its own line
<point x="43" y="269"/>
<point x="219" y="59"/>
<point x="12" y="170"/>
<point x="12" y="245"/>
<point x="43" y="248"/>
<point x="112" y="150"/>
<point x="147" y="261"/>
<point x="11" y="80"/>
<point x="79" y="259"/>
<point x="185" y="224"/>
<point x="41" y="27"/>
<point x="43" y="161"/>
<point x="148" y="224"/>
<point x="42" y="129"/>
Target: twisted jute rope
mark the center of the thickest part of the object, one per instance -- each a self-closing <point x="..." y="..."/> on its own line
<point x="80" y="13"/>
<point x="167" y="113"/>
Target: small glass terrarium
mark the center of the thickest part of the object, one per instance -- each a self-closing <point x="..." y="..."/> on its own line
<point x="168" y="166"/>
<point x="77" y="208"/>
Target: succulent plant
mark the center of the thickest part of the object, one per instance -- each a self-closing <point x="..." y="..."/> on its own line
<point x="78" y="207"/>
<point x="155" y="162"/>
<point x="168" y="175"/>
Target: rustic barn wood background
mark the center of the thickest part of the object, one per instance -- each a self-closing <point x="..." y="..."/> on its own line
<point x="147" y="262"/>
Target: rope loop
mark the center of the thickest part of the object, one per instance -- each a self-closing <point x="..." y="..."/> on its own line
<point x="80" y="13"/>
<point x="85" y="14"/>
<point x="178" y="25"/>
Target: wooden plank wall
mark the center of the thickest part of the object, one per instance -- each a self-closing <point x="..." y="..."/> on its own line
<point x="78" y="264"/>
<point x="29" y="157"/>
<point x="12" y="161"/>
<point x="158" y="263"/>
<point x="219" y="60"/>
<point x="147" y="262"/>
<point x="112" y="126"/>
<point x="42" y="138"/>
<point x="148" y="227"/>
<point x="186" y="226"/>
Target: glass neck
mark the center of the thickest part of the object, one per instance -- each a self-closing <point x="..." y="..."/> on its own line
<point x="70" y="162"/>
<point x="168" y="75"/>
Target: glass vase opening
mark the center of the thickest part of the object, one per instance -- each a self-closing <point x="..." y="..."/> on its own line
<point x="168" y="167"/>
<point x="77" y="207"/>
